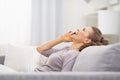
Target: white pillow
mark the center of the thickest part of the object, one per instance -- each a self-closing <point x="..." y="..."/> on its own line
<point x="23" y="58"/>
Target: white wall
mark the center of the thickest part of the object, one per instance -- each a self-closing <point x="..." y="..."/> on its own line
<point x="74" y="12"/>
<point x="116" y="7"/>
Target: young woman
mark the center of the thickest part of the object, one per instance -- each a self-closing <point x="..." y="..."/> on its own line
<point x="63" y="59"/>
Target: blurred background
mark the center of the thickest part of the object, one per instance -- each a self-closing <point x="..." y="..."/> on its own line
<point x="32" y="22"/>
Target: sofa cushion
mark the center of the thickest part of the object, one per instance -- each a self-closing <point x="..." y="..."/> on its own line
<point x="23" y="58"/>
<point x="99" y="58"/>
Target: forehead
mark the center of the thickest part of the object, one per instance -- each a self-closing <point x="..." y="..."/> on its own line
<point x="89" y="29"/>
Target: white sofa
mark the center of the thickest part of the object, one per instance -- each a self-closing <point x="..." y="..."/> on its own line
<point x="93" y="63"/>
<point x="21" y="58"/>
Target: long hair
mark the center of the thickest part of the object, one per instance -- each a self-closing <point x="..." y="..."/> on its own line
<point x="96" y="39"/>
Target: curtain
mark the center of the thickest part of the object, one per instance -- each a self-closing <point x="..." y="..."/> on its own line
<point x="15" y="21"/>
<point x="46" y="20"/>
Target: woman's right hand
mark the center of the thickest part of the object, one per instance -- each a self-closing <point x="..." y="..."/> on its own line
<point x="67" y="36"/>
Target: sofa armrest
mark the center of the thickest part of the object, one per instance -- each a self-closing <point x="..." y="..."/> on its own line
<point x="62" y="76"/>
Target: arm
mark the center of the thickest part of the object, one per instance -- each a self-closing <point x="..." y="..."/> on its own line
<point x="48" y="45"/>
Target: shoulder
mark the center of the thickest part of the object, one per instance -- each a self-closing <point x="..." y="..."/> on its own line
<point x="72" y="53"/>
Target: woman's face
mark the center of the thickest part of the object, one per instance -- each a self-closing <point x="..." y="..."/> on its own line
<point x="81" y="35"/>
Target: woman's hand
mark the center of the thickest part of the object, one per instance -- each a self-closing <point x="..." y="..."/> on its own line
<point x="48" y="45"/>
<point x="67" y="37"/>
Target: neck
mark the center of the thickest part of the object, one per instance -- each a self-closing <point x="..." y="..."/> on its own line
<point x="76" y="46"/>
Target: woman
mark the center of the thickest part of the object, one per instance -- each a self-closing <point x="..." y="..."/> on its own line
<point x="63" y="59"/>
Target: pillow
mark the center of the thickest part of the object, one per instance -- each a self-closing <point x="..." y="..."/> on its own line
<point x="23" y="58"/>
<point x="2" y="59"/>
<point x="99" y="58"/>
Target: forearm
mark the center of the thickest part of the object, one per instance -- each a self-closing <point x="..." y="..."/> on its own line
<point x="49" y="44"/>
<point x="64" y="38"/>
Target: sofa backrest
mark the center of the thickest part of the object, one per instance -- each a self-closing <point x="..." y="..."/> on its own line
<point x="99" y="58"/>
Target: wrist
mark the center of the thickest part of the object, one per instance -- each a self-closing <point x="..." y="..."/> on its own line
<point x="60" y="39"/>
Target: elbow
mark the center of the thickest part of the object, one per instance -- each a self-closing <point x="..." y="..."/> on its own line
<point x="38" y="50"/>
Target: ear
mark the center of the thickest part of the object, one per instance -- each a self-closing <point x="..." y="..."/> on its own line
<point x="86" y="41"/>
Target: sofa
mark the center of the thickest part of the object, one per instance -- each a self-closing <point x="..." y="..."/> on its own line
<point x="93" y="63"/>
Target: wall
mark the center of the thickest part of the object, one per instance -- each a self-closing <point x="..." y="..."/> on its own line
<point x="116" y="7"/>
<point x="74" y="12"/>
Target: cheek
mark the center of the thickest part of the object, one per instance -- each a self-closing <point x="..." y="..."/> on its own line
<point x="78" y="38"/>
<point x="81" y="35"/>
